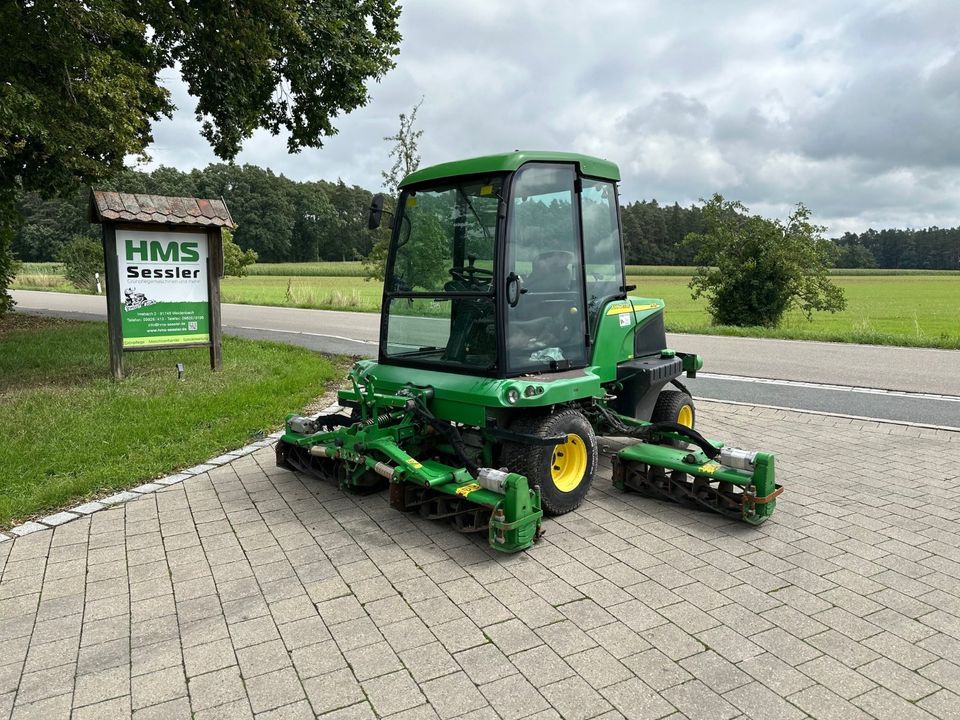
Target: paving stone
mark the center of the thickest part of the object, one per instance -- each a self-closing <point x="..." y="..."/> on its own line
<point x="759" y="701"/>
<point x="574" y="699"/>
<point x="95" y="688"/>
<point x="274" y="689"/>
<point x="715" y="672"/>
<point x="819" y="702"/>
<point x="201" y="659"/>
<point x="318" y="659"/>
<point x="42" y="684"/>
<point x="392" y="693"/>
<point x="178" y="709"/>
<point x="453" y="695"/>
<point x="656" y="669"/>
<point x="905" y="683"/>
<point x="107" y="710"/>
<point x="51" y="707"/>
<point x="263" y="658"/>
<point x="159" y="686"/>
<point x="694" y="699"/>
<point x="332" y="691"/>
<point x="598" y="667"/>
<point x="885" y="705"/>
<point x="300" y="710"/>
<point x="486" y="663"/>
<point x="378" y="659"/>
<point x="565" y="638"/>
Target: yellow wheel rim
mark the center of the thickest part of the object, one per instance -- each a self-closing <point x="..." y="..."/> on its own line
<point x="685" y="416"/>
<point x="569" y="463"/>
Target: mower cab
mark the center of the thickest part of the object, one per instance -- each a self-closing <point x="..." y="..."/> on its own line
<point x="508" y="342"/>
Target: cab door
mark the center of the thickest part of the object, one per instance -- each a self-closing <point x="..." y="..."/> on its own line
<point x="545" y="325"/>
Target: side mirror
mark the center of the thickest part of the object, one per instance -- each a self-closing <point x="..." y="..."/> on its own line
<point x="376" y="211"/>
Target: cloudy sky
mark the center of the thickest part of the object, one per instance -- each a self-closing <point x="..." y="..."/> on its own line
<point x="850" y="107"/>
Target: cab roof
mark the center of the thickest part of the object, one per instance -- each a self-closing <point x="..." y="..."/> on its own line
<point x="508" y="162"/>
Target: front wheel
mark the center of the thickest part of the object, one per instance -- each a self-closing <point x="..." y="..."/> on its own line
<point x="676" y="407"/>
<point x="564" y="472"/>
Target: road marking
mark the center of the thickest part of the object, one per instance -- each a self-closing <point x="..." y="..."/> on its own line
<point x="838" y="388"/>
<point x="886" y="421"/>
<point x="312" y="334"/>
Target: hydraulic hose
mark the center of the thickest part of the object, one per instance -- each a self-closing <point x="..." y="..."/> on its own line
<point x="645" y="431"/>
<point x="450" y="431"/>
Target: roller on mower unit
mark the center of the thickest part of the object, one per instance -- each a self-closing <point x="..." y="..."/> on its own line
<point x="508" y="344"/>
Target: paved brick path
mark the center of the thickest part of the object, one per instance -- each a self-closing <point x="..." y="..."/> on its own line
<point x="248" y="591"/>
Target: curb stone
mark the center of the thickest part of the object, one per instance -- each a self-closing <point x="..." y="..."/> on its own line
<point x="58" y="519"/>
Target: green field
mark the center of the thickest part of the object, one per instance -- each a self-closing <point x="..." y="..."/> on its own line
<point x="72" y="433"/>
<point x="888" y="307"/>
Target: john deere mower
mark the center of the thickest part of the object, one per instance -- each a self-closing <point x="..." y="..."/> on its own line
<point x="508" y="344"/>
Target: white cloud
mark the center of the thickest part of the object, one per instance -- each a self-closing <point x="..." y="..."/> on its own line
<point x="850" y="107"/>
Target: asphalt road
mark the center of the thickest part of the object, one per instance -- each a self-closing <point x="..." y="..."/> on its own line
<point x="903" y="384"/>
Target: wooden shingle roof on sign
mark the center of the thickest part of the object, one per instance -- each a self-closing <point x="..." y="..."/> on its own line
<point x="158" y="209"/>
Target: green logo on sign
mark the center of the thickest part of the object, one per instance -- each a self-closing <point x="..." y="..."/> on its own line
<point x="154" y="251"/>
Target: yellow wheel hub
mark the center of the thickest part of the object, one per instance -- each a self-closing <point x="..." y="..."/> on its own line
<point x="569" y="463"/>
<point x="685" y="416"/>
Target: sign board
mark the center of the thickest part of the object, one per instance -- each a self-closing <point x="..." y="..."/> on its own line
<point x="164" y="260"/>
<point x="163" y="281"/>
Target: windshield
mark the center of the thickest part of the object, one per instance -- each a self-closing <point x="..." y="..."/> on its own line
<point x="446" y="238"/>
<point x="444" y="248"/>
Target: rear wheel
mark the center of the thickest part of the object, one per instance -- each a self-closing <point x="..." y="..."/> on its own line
<point x="564" y="472"/>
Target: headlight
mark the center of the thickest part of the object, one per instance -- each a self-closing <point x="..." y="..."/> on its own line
<point x="513" y="395"/>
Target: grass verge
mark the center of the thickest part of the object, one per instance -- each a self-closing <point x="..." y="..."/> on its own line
<point x="71" y="433"/>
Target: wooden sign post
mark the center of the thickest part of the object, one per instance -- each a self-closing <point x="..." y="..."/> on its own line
<point x="164" y="261"/>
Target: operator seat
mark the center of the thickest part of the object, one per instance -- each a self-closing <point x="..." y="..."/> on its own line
<point x="542" y="318"/>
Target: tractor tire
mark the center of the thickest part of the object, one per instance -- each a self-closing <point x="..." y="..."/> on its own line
<point x="676" y="407"/>
<point x="563" y="472"/>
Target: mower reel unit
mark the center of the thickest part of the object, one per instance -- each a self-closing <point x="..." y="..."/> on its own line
<point x="508" y="344"/>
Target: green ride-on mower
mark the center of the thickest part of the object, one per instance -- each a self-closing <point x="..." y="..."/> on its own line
<point x="508" y="344"/>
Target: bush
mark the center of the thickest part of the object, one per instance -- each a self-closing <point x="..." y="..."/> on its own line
<point x="752" y="270"/>
<point x="235" y="260"/>
<point x="82" y="258"/>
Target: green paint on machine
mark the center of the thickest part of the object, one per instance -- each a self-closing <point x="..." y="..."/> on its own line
<point x="508" y="345"/>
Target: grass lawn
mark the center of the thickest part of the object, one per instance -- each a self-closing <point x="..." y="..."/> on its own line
<point x="71" y="433"/>
<point x="884" y="307"/>
<point x="914" y="310"/>
<point x="328" y="292"/>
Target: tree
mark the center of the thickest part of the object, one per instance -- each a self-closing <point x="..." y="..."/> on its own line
<point x="752" y="270"/>
<point x="72" y="112"/>
<point x="406" y="154"/>
<point x="82" y="259"/>
<point x="235" y="260"/>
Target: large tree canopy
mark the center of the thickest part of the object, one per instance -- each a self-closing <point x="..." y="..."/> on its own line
<point x="80" y="82"/>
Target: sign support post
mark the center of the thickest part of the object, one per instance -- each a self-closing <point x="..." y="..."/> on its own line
<point x="114" y="321"/>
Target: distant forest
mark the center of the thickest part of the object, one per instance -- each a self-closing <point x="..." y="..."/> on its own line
<point x="288" y="221"/>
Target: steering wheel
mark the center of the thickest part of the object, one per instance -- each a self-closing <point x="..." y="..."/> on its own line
<point x="470" y="274"/>
<point x="469" y="277"/>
